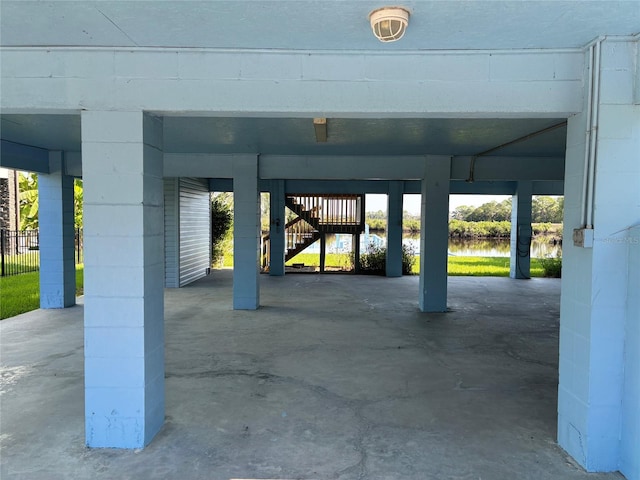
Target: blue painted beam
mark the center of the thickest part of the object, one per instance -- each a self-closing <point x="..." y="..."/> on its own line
<point x="373" y="168"/>
<point x="457" y="187"/>
<point x="482" y="188"/>
<point x="340" y="186"/>
<point x="221" y="185"/>
<point x="23" y="157"/>
<point x="548" y="188"/>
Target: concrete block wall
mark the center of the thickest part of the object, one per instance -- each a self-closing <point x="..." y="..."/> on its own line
<point x="277" y="228"/>
<point x="630" y="436"/>
<point x="395" y="199"/>
<point x="124" y="272"/>
<point x="615" y="263"/>
<point x="598" y="316"/>
<point x="520" y="261"/>
<point x="434" y="234"/>
<point x="246" y="234"/>
<point x="120" y="162"/>
<point x="205" y="80"/>
<point x="57" y="236"/>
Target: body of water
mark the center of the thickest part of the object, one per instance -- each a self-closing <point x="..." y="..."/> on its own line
<point x="540" y="246"/>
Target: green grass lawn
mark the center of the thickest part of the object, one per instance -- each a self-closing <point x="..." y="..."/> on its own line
<point x="457" y="266"/>
<point x="335" y="260"/>
<point x="484" y="267"/>
<point x="21" y="293"/>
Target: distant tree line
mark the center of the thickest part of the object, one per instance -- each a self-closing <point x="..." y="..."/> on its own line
<point x="544" y="209"/>
<point x="494" y="229"/>
<point x="491" y="219"/>
<point x="377" y="221"/>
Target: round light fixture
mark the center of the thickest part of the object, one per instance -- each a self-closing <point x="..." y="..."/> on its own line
<point x="389" y="23"/>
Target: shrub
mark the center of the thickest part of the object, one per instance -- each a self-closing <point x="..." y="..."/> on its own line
<point x="221" y="222"/>
<point x="552" y="266"/>
<point x="374" y="260"/>
<point x="408" y="259"/>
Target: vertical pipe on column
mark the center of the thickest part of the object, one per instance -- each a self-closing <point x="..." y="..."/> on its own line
<point x="587" y="144"/>
<point x="594" y="135"/>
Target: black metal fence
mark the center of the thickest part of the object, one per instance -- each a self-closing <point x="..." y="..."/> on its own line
<point x="20" y="251"/>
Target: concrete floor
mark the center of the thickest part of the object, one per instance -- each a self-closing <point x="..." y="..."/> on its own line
<point x="336" y="377"/>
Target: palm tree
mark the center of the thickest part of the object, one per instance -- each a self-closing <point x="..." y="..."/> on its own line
<point x="28" y="184"/>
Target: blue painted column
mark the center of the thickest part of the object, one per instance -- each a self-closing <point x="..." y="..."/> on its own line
<point x="394" y="229"/>
<point x="57" y="236"/>
<point x="276" y="228"/>
<point x="122" y="164"/>
<point x="434" y="234"/>
<point x="599" y="378"/>
<point x="630" y="434"/>
<point x="246" y="233"/>
<point x="521" y="233"/>
<point x="323" y="252"/>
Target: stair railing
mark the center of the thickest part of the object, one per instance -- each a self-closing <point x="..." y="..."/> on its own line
<point x="297" y="231"/>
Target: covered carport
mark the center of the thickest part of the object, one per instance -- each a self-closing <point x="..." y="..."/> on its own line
<point x="353" y="382"/>
<point x="129" y="80"/>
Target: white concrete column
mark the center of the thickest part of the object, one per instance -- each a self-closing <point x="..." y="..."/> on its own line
<point x="246" y="233"/>
<point x="599" y="390"/>
<point x="394" y="229"/>
<point x="276" y="228"/>
<point x="630" y="434"/>
<point x="434" y="234"/>
<point x="57" y="236"/>
<point x="521" y="233"/>
<point x="124" y="275"/>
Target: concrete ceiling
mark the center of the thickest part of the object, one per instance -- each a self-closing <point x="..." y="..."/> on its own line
<point x="295" y="136"/>
<point x="313" y="24"/>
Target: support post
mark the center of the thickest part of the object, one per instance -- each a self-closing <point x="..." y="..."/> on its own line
<point x="599" y="372"/>
<point x="3" y="241"/>
<point x="356" y="252"/>
<point x="394" y="229"/>
<point x="246" y="233"/>
<point x="57" y="249"/>
<point x="521" y="232"/>
<point x="323" y="251"/>
<point x="122" y="164"/>
<point x="434" y="239"/>
<point x="276" y="229"/>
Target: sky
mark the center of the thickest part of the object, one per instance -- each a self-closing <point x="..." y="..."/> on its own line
<point x="375" y="202"/>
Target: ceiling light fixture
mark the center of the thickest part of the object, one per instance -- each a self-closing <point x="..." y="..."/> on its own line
<point x="320" y="126"/>
<point x="389" y="23"/>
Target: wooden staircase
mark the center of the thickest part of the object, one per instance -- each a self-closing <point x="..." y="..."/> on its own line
<point x="317" y="215"/>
